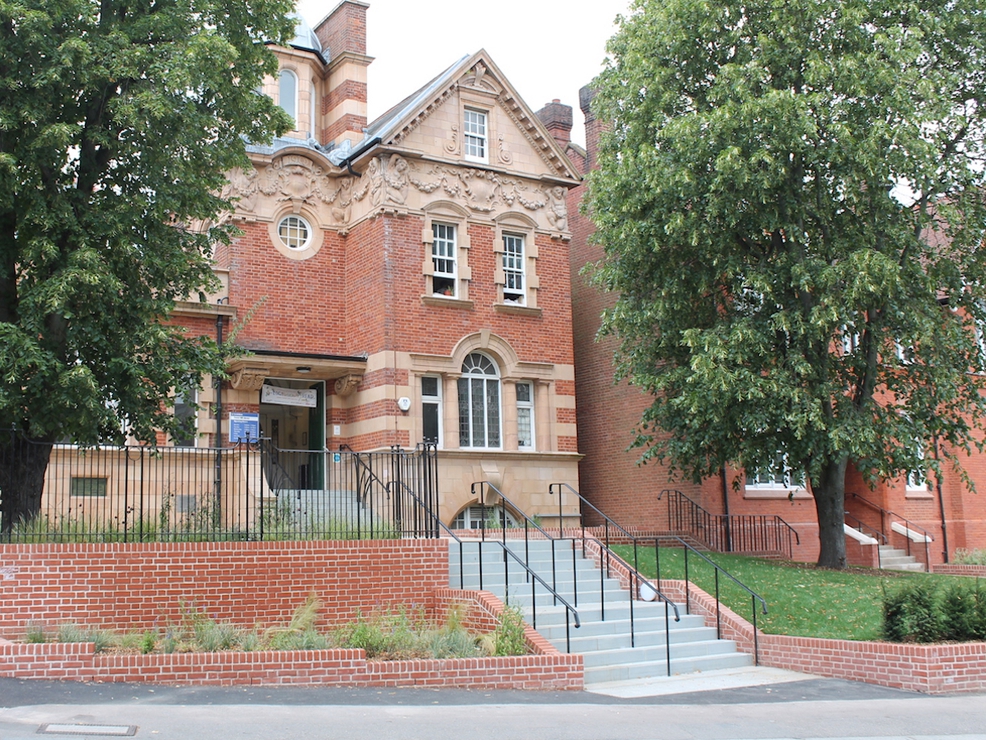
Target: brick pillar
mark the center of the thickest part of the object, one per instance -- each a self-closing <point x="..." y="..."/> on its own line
<point x="343" y="37"/>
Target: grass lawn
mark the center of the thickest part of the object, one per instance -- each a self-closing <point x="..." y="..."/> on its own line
<point x="801" y="599"/>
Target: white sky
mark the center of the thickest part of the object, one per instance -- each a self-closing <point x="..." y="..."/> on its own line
<point x="546" y="48"/>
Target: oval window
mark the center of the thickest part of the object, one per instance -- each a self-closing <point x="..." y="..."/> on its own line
<point x="294" y="232"/>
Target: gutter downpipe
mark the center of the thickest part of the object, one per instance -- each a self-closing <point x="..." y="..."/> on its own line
<point x="941" y="506"/>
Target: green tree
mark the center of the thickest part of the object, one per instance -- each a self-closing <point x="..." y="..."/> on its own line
<point x="790" y="204"/>
<point x="118" y="120"/>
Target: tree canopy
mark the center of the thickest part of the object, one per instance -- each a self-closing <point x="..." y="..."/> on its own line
<point x="790" y="203"/>
<point x="118" y="122"/>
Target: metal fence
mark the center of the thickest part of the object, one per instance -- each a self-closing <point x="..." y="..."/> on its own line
<point x="250" y="491"/>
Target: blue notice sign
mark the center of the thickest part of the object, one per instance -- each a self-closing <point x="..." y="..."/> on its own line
<point x="244" y="427"/>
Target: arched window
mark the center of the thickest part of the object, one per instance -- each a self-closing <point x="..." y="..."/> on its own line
<point x="472" y="518"/>
<point x="288" y="94"/>
<point x="479" y="403"/>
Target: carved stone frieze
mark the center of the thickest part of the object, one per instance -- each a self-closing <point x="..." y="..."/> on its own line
<point x="346" y="385"/>
<point x="484" y="192"/>
<point x="248" y="378"/>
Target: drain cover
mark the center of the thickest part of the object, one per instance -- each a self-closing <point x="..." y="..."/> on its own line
<point x="104" y="730"/>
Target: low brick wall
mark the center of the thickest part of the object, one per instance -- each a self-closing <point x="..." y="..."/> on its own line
<point x="78" y="662"/>
<point x="929" y="669"/>
<point x="951" y="569"/>
<point x="139" y="586"/>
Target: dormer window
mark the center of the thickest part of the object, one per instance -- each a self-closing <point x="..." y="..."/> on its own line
<point x="475" y="135"/>
<point x="288" y="93"/>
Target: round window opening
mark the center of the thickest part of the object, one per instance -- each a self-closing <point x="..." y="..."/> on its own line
<point x="294" y="232"/>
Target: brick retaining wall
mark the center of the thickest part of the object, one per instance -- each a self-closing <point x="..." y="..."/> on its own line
<point x="959" y="570"/>
<point x="139" y="586"/>
<point x="930" y="669"/>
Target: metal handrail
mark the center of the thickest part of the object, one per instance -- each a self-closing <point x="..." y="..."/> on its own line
<point x="657" y="558"/>
<point x="530" y="574"/>
<point x="864" y="528"/>
<point x="884" y="513"/>
<point x="724" y="524"/>
<point x="568" y="607"/>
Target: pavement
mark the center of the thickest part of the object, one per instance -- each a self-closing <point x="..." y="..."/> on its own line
<point x="738" y="704"/>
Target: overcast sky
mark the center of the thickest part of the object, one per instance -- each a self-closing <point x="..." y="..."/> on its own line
<point x="546" y="48"/>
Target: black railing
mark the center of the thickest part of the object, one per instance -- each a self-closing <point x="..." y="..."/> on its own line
<point x="481" y="490"/>
<point x="251" y="491"/>
<point x="865" y="529"/>
<point x="888" y="519"/>
<point x="613" y="531"/>
<point x="761" y="534"/>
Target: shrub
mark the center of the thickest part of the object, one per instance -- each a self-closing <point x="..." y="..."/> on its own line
<point x="508" y="637"/>
<point x="970" y="557"/>
<point x="922" y="613"/>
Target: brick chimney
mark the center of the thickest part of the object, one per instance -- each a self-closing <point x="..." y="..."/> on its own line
<point x="342" y="34"/>
<point x="557" y="118"/>
<point x="592" y="126"/>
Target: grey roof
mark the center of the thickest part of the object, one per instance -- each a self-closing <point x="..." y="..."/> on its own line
<point x="305" y="38"/>
<point x="381" y="127"/>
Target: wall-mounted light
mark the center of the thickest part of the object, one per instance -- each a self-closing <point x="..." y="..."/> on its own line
<point x="303" y="369"/>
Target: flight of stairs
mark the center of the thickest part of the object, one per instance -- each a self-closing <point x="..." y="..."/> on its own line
<point x="894" y="559"/>
<point x="605" y="643"/>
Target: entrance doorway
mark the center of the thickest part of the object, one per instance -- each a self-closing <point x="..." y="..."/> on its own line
<point x="292" y="416"/>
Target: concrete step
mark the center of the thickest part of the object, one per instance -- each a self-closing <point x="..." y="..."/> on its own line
<point x="652" y="669"/>
<point x="892" y="558"/>
<point x="604" y="611"/>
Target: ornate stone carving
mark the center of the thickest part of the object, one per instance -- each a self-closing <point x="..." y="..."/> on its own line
<point x="501" y="151"/>
<point x="346" y="385"/>
<point x="249" y="378"/>
<point x="452" y="145"/>
<point x="242" y="187"/>
<point x="557" y="208"/>
<point x="481" y="190"/>
<point x="397" y="180"/>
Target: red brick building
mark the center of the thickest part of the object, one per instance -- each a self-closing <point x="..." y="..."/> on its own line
<point x="611" y="477"/>
<point x="402" y="281"/>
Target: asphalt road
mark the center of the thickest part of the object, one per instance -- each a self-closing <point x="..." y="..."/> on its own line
<point x="817" y="709"/>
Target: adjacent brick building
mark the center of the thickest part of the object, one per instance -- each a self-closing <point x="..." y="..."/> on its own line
<point x="610" y="476"/>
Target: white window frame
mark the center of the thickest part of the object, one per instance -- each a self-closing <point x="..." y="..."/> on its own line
<point x="434" y="400"/>
<point x="917" y="480"/>
<point x="514" y="268"/>
<point x="471" y="517"/>
<point x="482" y="372"/>
<point x="779" y="478"/>
<point x="475" y="135"/>
<point x="287" y="81"/>
<point x="288" y="233"/>
<point x="526" y="408"/>
<point x="444" y="249"/>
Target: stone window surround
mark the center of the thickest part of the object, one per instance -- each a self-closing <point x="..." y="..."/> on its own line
<point x="446" y="212"/>
<point x="315" y="240"/>
<point x="449" y="369"/>
<point x="521" y="225"/>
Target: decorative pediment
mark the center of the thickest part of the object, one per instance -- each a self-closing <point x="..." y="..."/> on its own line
<point x="517" y="138"/>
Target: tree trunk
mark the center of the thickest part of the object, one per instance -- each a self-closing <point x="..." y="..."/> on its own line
<point x="830" y="504"/>
<point x="23" y="462"/>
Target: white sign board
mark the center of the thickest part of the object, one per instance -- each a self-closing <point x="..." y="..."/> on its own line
<point x="306" y="397"/>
